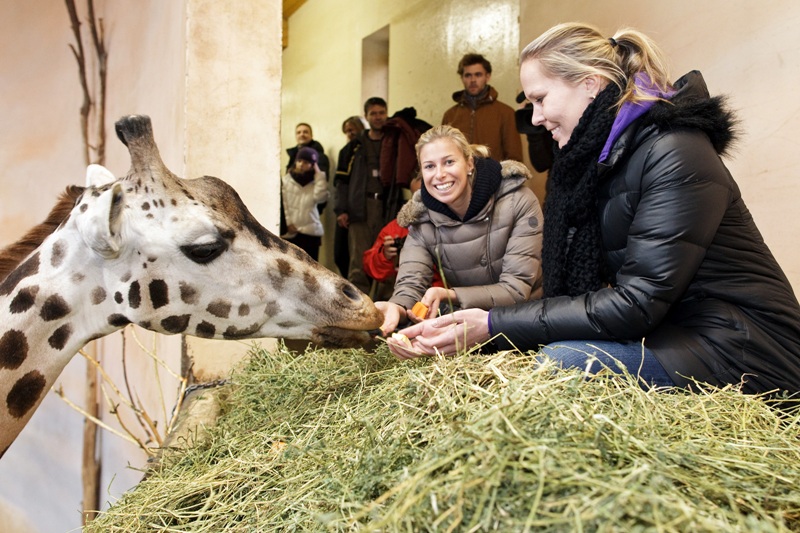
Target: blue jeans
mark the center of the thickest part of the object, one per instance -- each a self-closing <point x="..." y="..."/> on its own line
<point x="593" y="356"/>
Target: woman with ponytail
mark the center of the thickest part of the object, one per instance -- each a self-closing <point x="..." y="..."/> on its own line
<point x="651" y="261"/>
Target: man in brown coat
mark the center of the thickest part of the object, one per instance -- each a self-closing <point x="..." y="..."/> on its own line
<point x="480" y="115"/>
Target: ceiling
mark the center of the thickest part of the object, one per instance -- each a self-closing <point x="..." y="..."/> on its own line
<point x="289" y="7"/>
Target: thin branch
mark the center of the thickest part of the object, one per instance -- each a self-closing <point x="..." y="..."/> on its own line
<point x="98" y="39"/>
<point x="60" y="392"/>
<point x="81" y="60"/>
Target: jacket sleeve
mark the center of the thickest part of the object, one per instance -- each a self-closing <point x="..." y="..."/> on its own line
<point x="521" y="265"/>
<point x="320" y="187"/>
<point x="415" y="273"/>
<point x="683" y="197"/>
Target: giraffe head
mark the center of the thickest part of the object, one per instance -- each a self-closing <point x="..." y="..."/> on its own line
<point x="186" y="256"/>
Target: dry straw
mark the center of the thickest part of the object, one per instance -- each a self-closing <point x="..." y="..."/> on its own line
<point x="338" y="440"/>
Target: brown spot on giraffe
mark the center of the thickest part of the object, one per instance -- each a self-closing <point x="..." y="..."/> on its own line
<point x="59" y="251"/>
<point x="219" y="308"/>
<point x="13" y="349"/>
<point x="77" y="277"/>
<point x="118" y="297"/>
<point x="24" y="299"/>
<point x="146" y="206"/>
<point x="118" y="320"/>
<point x="176" y="323"/>
<point x="235" y="333"/>
<point x="310" y="282"/>
<point x="159" y="293"/>
<point x="205" y="330"/>
<point x="84" y="207"/>
<point x="98" y="295"/>
<point x="28" y="268"/>
<point x="189" y="294"/>
<point x="60" y="337"/>
<point x="25" y="393"/>
<point x="283" y="272"/>
<point x="244" y="310"/>
<point x="54" y="308"/>
<point x="272" y="309"/>
<point x="134" y="295"/>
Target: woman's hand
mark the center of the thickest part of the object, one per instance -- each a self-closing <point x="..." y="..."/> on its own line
<point x="446" y="335"/>
<point x="391" y="316"/>
<point x="343" y="220"/>
<point x="432" y="298"/>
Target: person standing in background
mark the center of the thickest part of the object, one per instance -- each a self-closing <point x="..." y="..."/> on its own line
<point x="304" y="136"/>
<point x="479" y="115"/>
<point x="360" y="193"/>
<point x="352" y="128"/>
<point x="302" y="188"/>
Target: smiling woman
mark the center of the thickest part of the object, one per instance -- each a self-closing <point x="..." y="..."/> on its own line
<point x="475" y="222"/>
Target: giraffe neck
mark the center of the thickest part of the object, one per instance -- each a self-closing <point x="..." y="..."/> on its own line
<point x="43" y="324"/>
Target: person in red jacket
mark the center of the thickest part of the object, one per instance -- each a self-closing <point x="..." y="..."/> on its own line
<point x="380" y="261"/>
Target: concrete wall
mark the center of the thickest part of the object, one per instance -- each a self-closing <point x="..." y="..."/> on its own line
<point x="208" y="74"/>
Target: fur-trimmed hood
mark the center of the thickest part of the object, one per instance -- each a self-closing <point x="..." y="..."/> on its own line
<point x="414" y="211"/>
<point x="691" y="107"/>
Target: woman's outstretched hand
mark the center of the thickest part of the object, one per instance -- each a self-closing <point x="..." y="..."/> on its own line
<point x="446" y="335"/>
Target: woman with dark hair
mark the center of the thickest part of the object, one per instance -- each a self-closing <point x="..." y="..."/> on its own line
<point x="651" y="260"/>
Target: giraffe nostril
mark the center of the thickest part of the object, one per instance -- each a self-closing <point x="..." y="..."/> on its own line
<point x="351" y="292"/>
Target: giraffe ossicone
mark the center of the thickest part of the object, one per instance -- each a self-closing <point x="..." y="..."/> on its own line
<point x="171" y="255"/>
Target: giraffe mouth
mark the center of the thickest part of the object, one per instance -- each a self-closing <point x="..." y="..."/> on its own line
<point x="333" y="337"/>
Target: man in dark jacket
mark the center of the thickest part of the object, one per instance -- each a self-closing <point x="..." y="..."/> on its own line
<point x="360" y="192"/>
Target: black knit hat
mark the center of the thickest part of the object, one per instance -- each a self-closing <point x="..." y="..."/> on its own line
<point x="307" y="153"/>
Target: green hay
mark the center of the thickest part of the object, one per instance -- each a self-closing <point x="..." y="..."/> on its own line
<point x="338" y="440"/>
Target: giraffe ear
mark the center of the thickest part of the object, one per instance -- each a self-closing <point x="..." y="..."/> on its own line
<point x="100" y="223"/>
<point x="98" y="175"/>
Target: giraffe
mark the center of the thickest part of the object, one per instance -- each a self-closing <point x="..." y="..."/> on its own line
<point x="174" y="256"/>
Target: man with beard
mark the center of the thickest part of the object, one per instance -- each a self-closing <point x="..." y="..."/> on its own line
<point x="480" y="116"/>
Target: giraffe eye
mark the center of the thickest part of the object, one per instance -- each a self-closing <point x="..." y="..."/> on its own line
<point x="204" y="253"/>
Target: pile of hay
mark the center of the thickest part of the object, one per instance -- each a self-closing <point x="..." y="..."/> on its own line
<point x="340" y="440"/>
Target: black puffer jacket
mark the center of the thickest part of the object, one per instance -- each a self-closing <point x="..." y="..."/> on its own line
<point x="691" y="273"/>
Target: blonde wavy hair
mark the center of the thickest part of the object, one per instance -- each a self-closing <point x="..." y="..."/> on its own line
<point x="574" y="51"/>
<point x="444" y="131"/>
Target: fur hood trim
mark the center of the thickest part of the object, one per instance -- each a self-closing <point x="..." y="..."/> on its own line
<point x="693" y="108"/>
